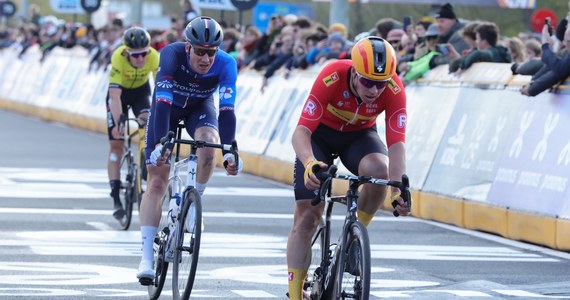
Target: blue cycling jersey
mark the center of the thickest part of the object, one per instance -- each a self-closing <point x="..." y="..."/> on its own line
<point x="177" y="84"/>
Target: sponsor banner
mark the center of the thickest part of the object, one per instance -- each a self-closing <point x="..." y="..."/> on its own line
<point x="535" y="166"/>
<point x="215" y="4"/>
<point x="477" y="133"/>
<point x="67" y="6"/>
<point x="428" y="116"/>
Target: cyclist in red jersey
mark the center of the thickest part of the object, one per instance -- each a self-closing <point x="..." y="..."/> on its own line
<point x="339" y="120"/>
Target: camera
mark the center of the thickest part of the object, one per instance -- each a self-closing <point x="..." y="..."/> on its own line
<point x="548" y="22"/>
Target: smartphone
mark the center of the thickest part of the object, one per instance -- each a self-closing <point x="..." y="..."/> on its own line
<point x="548" y="22"/>
<point x="407" y="21"/>
<point x="442" y="48"/>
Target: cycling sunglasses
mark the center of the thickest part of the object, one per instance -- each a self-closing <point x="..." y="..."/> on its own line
<point x="211" y="52"/>
<point x="368" y="83"/>
<point x="138" y="54"/>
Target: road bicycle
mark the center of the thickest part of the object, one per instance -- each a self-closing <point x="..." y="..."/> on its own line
<point x="132" y="185"/>
<point x="187" y="234"/>
<point x="342" y="270"/>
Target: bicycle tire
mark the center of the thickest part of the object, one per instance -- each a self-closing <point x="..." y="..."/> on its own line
<point x="159" y="246"/>
<point x="316" y="272"/>
<point x="141" y="175"/>
<point x="127" y="190"/>
<point x="186" y="255"/>
<point x="347" y="285"/>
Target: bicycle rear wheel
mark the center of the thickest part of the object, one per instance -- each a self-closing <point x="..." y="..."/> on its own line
<point x="159" y="246"/>
<point x="188" y="246"/>
<point x="353" y="272"/>
<point x="128" y="189"/>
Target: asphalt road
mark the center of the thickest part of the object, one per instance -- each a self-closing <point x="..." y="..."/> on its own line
<point x="59" y="240"/>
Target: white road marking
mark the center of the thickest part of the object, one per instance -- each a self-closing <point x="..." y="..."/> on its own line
<point x="77" y="183"/>
<point x="521" y="293"/>
<point x="254" y="294"/>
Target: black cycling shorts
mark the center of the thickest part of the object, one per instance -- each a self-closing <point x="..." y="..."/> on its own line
<point x="138" y="99"/>
<point x="328" y="144"/>
<point x="196" y="115"/>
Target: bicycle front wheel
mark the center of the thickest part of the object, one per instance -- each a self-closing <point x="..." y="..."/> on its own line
<point x="320" y="262"/>
<point x="160" y="241"/>
<point x="353" y="272"/>
<point x="141" y="177"/>
<point x="188" y="236"/>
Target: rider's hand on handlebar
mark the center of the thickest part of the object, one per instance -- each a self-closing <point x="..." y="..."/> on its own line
<point x="402" y="208"/>
<point x="311" y="181"/>
<point x="156" y="157"/>
<point x="231" y="164"/>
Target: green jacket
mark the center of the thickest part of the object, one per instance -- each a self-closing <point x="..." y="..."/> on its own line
<point x="420" y="66"/>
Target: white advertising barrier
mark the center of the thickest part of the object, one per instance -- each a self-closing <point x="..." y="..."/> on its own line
<point x="280" y="146"/>
<point x="259" y="114"/>
<point x="61" y="82"/>
<point x="429" y="110"/>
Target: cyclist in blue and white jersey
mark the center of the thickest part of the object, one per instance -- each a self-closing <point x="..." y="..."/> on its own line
<point x="189" y="73"/>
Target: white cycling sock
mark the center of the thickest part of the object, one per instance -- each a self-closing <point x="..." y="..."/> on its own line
<point x="148" y="233"/>
<point x="201" y="187"/>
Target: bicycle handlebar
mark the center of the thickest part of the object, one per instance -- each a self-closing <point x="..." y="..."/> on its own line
<point x="168" y="142"/>
<point x="325" y="176"/>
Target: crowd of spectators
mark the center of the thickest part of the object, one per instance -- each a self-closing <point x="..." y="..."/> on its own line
<point x="293" y="42"/>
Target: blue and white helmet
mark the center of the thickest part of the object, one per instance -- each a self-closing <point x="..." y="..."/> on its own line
<point x="204" y="32"/>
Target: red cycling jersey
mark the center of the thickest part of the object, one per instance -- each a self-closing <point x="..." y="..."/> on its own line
<point x="332" y="103"/>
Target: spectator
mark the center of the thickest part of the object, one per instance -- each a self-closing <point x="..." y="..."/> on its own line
<point x="188" y="10"/>
<point x="383" y="26"/>
<point x="488" y="50"/>
<point x="276" y="23"/>
<point x="246" y="45"/>
<point x="556" y="68"/>
<point x="281" y="51"/>
<point x="533" y="63"/>
<point x="35" y="14"/>
<point x="516" y="48"/>
<point x="395" y="38"/>
<point x="449" y="28"/>
<point x="413" y="70"/>
<point x="335" y="49"/>
<point x="231" y="37"/>
<point x="469" y="35"/>
<point x="340" y="28"/>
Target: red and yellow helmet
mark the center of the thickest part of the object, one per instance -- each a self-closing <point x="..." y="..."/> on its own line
<point x="374" y="58"/>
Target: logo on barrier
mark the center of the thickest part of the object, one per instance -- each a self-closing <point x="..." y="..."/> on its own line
<point x="564" y="156"/>
<point x="494" y="143"/>
<point x="549" y="125"/>
<point x="526" y="120"/>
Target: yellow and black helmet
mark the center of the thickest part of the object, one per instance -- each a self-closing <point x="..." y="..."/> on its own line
<point x="374" y="58"/>
<point x="136" y="38"/>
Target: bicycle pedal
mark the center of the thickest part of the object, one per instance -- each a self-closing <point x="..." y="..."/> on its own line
<point x="146" y="281"/>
